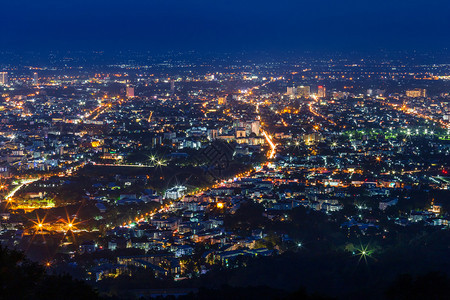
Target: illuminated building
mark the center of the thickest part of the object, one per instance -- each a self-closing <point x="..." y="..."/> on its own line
<point x="291" y="91"/>
<point x="130" y="92"/>
<point x="416" y="93"/>
<point x="303" y="91"/>
<point x="222" y="100"/>
<point x="156" y="141"/>
<point x="312" y="138"/>
<point x="321" y="93"/>
<point x="35" y="78"/>
<point x="253" y="127"/>
<point x="3" y="78"/>
<point x="172" y="86"/>
<point x="240" y="132"/>
<point x="212" y="134"/>
<point x="175" y="192"/>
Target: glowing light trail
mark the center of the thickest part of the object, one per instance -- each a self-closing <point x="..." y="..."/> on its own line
<point x="273" y="147"/>
<point x="17" y="188"/>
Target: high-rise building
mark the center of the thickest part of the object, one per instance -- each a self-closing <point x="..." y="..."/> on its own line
<point x="291" y="91"/>
<point x="3" y="78"/>
<point x="35" y="78"/>
<point x="303" y="91"/>
<point x="130" y="92"/>
<point x="172" y="86"/>
<point x="416" y="93"/>
<point x="424" y="93"/>
<point x="321" y="93"/>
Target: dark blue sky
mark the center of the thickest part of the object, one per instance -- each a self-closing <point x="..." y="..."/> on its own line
<point x="225" y="24"/>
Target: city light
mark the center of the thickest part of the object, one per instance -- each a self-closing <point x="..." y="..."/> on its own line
<point x="188" y="165"/>
<point x="364" y="253"/>
<point x="272" y="152"/>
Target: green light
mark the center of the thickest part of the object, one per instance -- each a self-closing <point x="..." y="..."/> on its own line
<point x="364" y="252"/>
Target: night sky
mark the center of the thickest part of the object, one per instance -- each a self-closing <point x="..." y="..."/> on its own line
<point x="225" y="25"/>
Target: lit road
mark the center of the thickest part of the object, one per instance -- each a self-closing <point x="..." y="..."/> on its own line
<point x="413" y="112"/>
<point x="23" y="183"/>
<point x="96" y="112"/>
<point x="170" y="207"/>
<point x="268" y="138"/>
<point x="273" y="147"/>
<point x="317" y="114"/>
<point x="124" y="165"/>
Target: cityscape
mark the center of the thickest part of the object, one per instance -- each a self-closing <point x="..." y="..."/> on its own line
<point x="224" y="174"/>
<point x="179" y="173"/>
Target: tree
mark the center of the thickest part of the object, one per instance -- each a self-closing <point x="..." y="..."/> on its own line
<point x="22" y="279"/>
<point x="433" y="285"/>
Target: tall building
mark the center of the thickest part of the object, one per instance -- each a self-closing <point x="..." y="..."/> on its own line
<point x="130" y="92"/>
<point x="35" y="78"/>
<point x="322" y="92"/>
<point x="291" y="91"/>
<point x="416" y="93"/>
<point x="3" y="78"/>
<point x="172" y="86"/>
<point x="303" y="91"/>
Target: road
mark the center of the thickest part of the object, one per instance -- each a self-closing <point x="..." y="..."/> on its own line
<point x="318" y="114"/>
<point x="272" y="145"/>
<point x="23" y="183"/>
<point x="413" y="112"/>
<point x="271" y="154"/>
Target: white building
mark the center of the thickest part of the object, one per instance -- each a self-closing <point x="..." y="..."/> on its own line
<point x="175" y="192"/>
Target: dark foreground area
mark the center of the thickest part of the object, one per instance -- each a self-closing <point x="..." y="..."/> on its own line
<point x="314" y="274"/>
